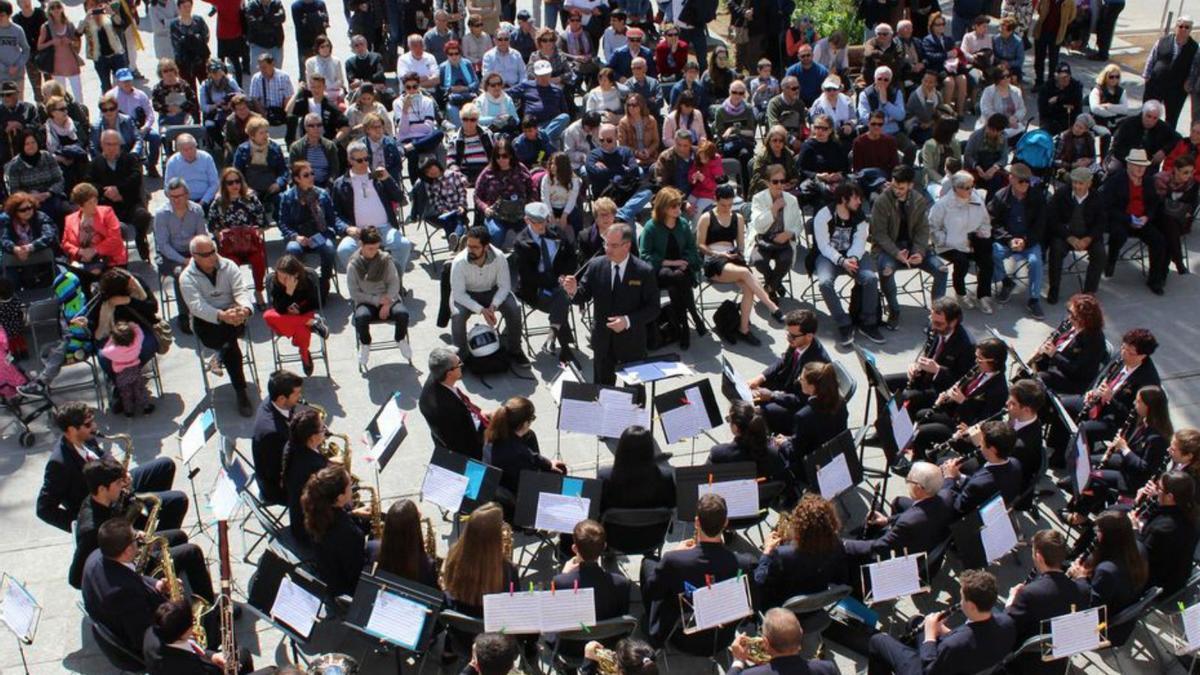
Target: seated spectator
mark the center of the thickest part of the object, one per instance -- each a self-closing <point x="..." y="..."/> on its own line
<point x="237" y="221"/>
<point x="135" y="104"/>
<point x="684" y="115"/>
<point x="364" y="66"/>
<point x="691" y="83"/>
<point x="318" y="151"/>
<point x="471" y="146"/>
<point x="458" y="84"/>
<point x="112" y="118"/>
<point x="881" y="49"/>
<point x="941" y="56"/>
<point x="934" y="153"/>
<point x="922" y="109"/>
<point x="734" y="126"/>
<point x="668" y="244"/>
<point x="374" y="288"/>
<point x="960" y="229"/>
<point x="615" y="36"/>
<point x="480" y="284"/>
<point x="542" y="256"/>
<point x="1076" y="147"/>
<point x="809" y="74"/>
<point x="216" y="98"/>
<point x="888" y="98"/>
<point x="270" y="90"/>
<point x="312" y="98"/>
<point x="900" y="239"/>
<point x="912" y="64"/>
<point x="382" y="148"/>
<point x="476" y="43"/>
<point x="543" y="101"/>
<point x="533" y="146"/>
<point x="501" y="190"/>
<point x="501" y="59"/>
<point x="125" y="298"/>
<point x="261" y="162"/>
<point x="591" y="240"/>
<point x="1018" y="215"/>
<point x="308" y="223"/>
<point x="647" y="87"/>
<point x="1060" y="101"/>
<point x="674" y="167"/>
<point x="235" y="124"/>
<point x="92" y="241"/>
<point x="1189" y="145"/>
<point x="364" y="198"/>
<point x="219" y="302"/>
<point x="1002" y="98"/>
<point x="294" y="306"/>
<point x="613" y="171"/>
<point x="1108" y="103"/>
<point x="579" y="139"/>
<point x="28" y="239"/>
<point x="561" y="189"/>
<point x="175" y="225"/>
<point x="365" y="104"/>
<point x="445" y="202"/>
<point x="36" y="172"/>
<point x="706" y="170"/>
<point x="837" y="106"/>
<point x="976" y="46"/>
<point x="173" y="99"/>
<point x="622" y="58"/>
<point x="1133" y="209"/>
<point x="840" y="235"/>
<point x="417" y="61"/>
<point x="1008" y="49"/>
<point x="1076" y="222"/>
<point x="1179" y="194"/>
<point x="414" y="116"/>
<point x="788" y="110"/>
<point x="778" y="223"/>
<point x="775" y="151"/>
<point x="606" y="98"/>
<point x="117" y="175"/>
<point x="562" y="73"/>
<point x="191" y="165"/>
<point x="987" y="152"/>
<point x="1148" y="131"/>
<point x="875" y="152"/>
<point x="68" y="142"/>
<point x="324" y="63"/>
<point x="497" y="112"/>
<point x="638" y="131"/>
<point x="718" y="77"/>
<point x="671" y="55"/>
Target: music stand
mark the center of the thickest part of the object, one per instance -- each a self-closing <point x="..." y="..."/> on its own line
<point x="841" y="445"/>
<point x="687" y="412"/>
<point x="598" y="410"/>
<point x="980" y="537"/>
<point x="384" y="433"/>
<point x="482" y="480"/>
<point x="888" y="570"/>
<point x="568" y="372"/>
<point x="732" y="385"/>
<point x="688" y="480"/>
<point x="264" y="591"/>
<point x="1075" y="633"/>
<point x="734" y="593"/>
<point x="1013" y="356"/>
<point x="877" y="383"/>
<point x="196" y="430"/>
<point x="20" y="612"/>
<point x="532" y="509"/>
<point x="412" y="612"/>
<point x="1185" y="632"/>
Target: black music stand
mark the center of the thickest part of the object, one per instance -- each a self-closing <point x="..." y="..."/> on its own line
<point x="529" y="490"/>
<point x="594" y="424"/>
<point x="264" y="587"/>
<point x="877" y="384"/>
<point x="688" y="480"/>
<point x="732" y="385"/>
<point x="922" y="561"/>
<point x="379" y="457"/>
<point x="370" y="586"/>
<point x="568" y="372"/>
<point x="484" y="480"/>
<point x="673" y="399"/>
<point x="967" y="535"/>
<point x="842" y="444"/>
<point x="1013" y="356"/>
<point x="653" y="378"/>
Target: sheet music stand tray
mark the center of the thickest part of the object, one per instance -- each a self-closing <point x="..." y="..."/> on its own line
<point x="967" y="536"/>
<point x="588" y="392"/>
<point x="458" y="463"/>
<point x="922" y="573"/>
<point x="881" y="394"/>
<point x="1101" y="626"/>
<point x="204" y="406"/>
<point x="1178" y="636"/>
<point x="675" y="398"/>
<point x="22" y="640"/>
<point x="689" y="478"/>
<point x="264" y="588"/>
<point x="532" y="484"/>
<point x="842" y="444"/>
<point x="369" y="585"/>
<point x="687" y="611"/>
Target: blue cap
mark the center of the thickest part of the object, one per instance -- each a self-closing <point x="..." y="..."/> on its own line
<point x="124" y="75"/>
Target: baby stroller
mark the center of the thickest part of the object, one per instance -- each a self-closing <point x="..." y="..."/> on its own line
<point x="24" y="409"/>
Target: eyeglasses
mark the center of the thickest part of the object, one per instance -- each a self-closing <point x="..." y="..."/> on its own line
<point x="608" y="140"/>
<point x="501" y="39"/>
<point x="672" y="34"/>
<point x="820" y="127"/>
<point x="795" y="336"/>
<point x="359" y="160"/>
<point x="635" y="39"/>
<point x="546" y="40"/>
<point x="411" y="87"/>
<point x="793" y="88"/>
<point x="778" y="181"/>
<point x="470" y="119"/>
<point x="875" y="124"/>
<point x="737" y="92"/>
<point x="453" y="53"/>
<point x="1113" y="76"/>
<point x="204" y="254"/>
<point x="103" y="108"/>
<point x="234" y="181"/>
<point x="313" y="125"/>
<point x="806" y="56"/>
<point x="178" y="195"/>
<point x="25" y="209"/>
<point x="939" y="23"/>
<point x="306" y="174"/>
<point x="883" y="79"/>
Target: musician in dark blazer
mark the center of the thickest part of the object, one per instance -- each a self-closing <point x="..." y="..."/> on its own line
<point x="1050" y="593"/>
<point x="340" y="544"/>
<point x="1116" y="571"/>
<point x="819" y="421"/>
<point x="454" y="422"/>
<point x="170" y="647"/>
<point x="624" y="294"/>
<point x="980" y="643"/>
<point x="918" y="522"/>
<point x="751" y="443"/>
<point x="583" y="570"/>
<point x="284" y="392"/>
<point x="1070" y="363"/>
<point x="1025" y="401"/>
<point x="302" y="459"/>
<point x="639" y="478"/>
<point x="1170" y="533"/>
<point x="538" y="271"/>
<point x="777" y="389"/>
<point x="783" y="639"/>
<point x="970" y="400"/>
<point x="1000" y="473"/>
<point x="511" y="445"/>
<point x="706" y="560"/>
<point x="114" y="595"/>
<point x="63" y="488"/>
<point x="808" y="561"/>
<point x="949" y="354"/>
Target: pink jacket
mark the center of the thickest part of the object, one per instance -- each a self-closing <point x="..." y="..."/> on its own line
<point x="124" y="357"/>
<point x="11" y="377"/>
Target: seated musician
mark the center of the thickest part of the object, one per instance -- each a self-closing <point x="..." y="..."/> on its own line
<point x="64" y="490"/>
<point x="301" y="459"/>
<point x="492" y="653"/>
<point x="639" y="477"/>
<point x="1025" y="401"/>
<point x="1049" y="593"/>
<point x="583" y="570"/>
<point x="1168" y="533"/>
<point x="401" y="552"/>
<point x="948" y="355"/>
<point x="108" y="487"/>
<point x="1070" y="362"/>
<point x="284" y="391"/>
<point x="511" y="445"/>
<point x="170" y="648"/>
<point x="824" y="417"/>
<point x="632" y="656"/>
<point x="1116" y="571"/>
<point x="751" y="443"/>
<point x="114" y="594"/>
<point x="1183" y="456"/>
<point x="783" y="638"/>
<point x="704" y="560"/>
<point x="476" y="564"/>
<point x="777" y="389"/>
<point x="918" y="521"/>
<point x="1000" y="474"/>
<point x="975" y="397"/>
<point x="341" y="545"/>
<point x="807" y="558"/>
<point x="454" y="421"/>
<point x="1104" y="408"/>
<point x="977" y="645"/>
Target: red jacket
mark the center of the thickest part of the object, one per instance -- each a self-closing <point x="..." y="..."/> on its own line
<point x="106" y="239"/>
<point x="229" y="19"/>
<point x="1183" y="147"/>
<point x="662" y="51"/>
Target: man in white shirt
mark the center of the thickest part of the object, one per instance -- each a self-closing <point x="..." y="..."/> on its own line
<point x="417" y="60"/>
<point x="480" y="284"/>
<point x="135" y="103"/>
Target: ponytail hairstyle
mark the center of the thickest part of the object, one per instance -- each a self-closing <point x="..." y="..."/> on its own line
<point x="508" y="418"/>
<point x="751" y="428"/>
<point x="823" y="378"/>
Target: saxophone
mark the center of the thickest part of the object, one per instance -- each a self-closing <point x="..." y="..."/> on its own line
<point x="506" y="541"/>
<point x="756" y="650"/>
<point x="376" y="507"/>
<point x="783" y="526"/>
<point x="148" y="537"/>
<point x="342" y="452"/>
<point x="175" y="588"/>
<point x="126" y="444"/>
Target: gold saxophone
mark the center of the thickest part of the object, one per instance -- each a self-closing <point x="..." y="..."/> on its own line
<point x="376" y="508"/>
<point x="175" y="589"/>
<point x="506" y="541"/>
<point x="136" y="503"/>
<point x="341" y="453"/>
<point x="756" y="650"/>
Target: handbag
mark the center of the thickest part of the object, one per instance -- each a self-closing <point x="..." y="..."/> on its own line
<point x="235" y="242"/>
<point x="162" y="330"/>
<point x="44" y="58"/>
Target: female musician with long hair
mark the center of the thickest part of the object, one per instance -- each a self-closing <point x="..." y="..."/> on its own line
<point x="805" y="560"/>
<point x="401" y="550"/>
<point x="1116" y="571"/>
<point x="1183" y="456"/>
<point x="632" y="657"/>
<point x="475" y="565"/>
<point x="824" y="417"/>
<point x="1069" y="363"/>
<point x="752" y="442"/>
<point x="301" y="459"/>
<point x="1169" y="532"/>
<point x="339" y="542"/>
<point x="638" y="478"/>
<point x="511" y="445"/>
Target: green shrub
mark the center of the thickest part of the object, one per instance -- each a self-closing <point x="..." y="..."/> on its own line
<point x="833" y="15"/>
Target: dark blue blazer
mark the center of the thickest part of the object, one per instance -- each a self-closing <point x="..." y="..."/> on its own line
<point x="1169" y="538"/>
<point x="450" y="421"/>
<point x="611" y="588"/>
<point x="769" y="465"/>
<point x="985" y="401"/>
<point x="916" y="529"/>
<point x="788" y="665"/>
<point x="812" y="428"/>
<point x="663" y="581"/>
<point x="1028" y="451"/>
<point x="964" y="496"/>
<point x="970" y="648"/>
<point x="341" y="554"/>
<point x="787" y="571"/>
<point x="301" y="464"/>
<point x="1111" y="585"/>
<point x="649" y="490"/>
<point x="1072" y="370"/>
<point x="1049" y="595"/>
<point x="514" y="455"/>
<point x="119" y="599"/>
<point x="63" y="488"/>
<point x="266" y="447"/>
<point x="782" y="376"/>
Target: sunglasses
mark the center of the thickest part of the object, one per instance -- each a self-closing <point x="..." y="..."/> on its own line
<point x="503" y="155"/>
<point x="306" y="174"/>
<point x="1114" y="76"/>
<point x="25" y="209"/>
<point x="501" y="39"/>
<point x="737" y="92"/>
<point x="672" y="34"/>
<point x="635" y="39"/>
<point x="793" y="88"/>
<point x="411" y="87"/>
<point x="806" y="56"/>
<point x="875" y="124"/>
<point x="820" y="127"/>
<point x="546" y="40"/>
<point x="204" y="254"/>
<point x="234" y="181"/>
<point x="453" y="53"/>
<point x="107" y="108"/>
<point x="883" y="79"/>
<point x="575" y="20"/>
<point x="778" y="181"/>
<point x="608" y="140"/>
<point x="470" y="119"/>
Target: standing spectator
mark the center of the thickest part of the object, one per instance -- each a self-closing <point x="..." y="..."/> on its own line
<point x="196" y="168"/>
<point x="965" y="12"/>
<point x="117" y="174"/>
<point x="161" y="14"/>
<point x="231" y="36"/>
<point x="14" y="49"/>
<point x="375" y="290"/>
<point x="105" y="48"/>
<point x="961" y="231"/>
<point x="765" y="22"/>
<point x="60" y="33"/>
<point x="31" y="20"/>
<point x="1169" y="70"/>
<point x="1049" y="33"/>
<point x="189" y="39"/>
<point x="175" y="224"/>
<point x="436" y="38"/>
<point x="309" y="20"/>
<point x="237" y="220"/>
<point x="264" y="29"/>
<point x="1106" y="25"/>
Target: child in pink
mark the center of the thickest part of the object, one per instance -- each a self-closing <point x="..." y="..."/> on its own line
<point x="122" y="349"/>
<point x="706" y="169"/>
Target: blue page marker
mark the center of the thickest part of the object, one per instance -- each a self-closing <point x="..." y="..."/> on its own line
<point x="572" y="487"/>
<point x="870" y="356"/>
<point x="474" y="473"/>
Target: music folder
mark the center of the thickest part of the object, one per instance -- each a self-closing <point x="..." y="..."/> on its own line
<point x="287" y="597"/>
<point x="823" y="463"/>
<point x="984" y="536"/>
<point x="395" y="610"/>
<point x="692" y="481"/>
<point x="386" y="431"/>
<point x="195" y="431"/>
<point x="19" y="610"/>
<point x="1075" y="633"/>
<point x="530" y="611"/>
<point x="896" y="577"/>
<point x="687" y="411"/>
<point x="732" y="385"/>
<point x="1186" y="628"/>
<point x="716" y="604"/>
<point x="548" y="500"/>
<point x="482" y="479"/>
<point x="657" y="367"/>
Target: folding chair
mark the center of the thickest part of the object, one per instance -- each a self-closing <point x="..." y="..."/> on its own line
<point x="249" y="362"/>
<point x="279" y="358"/>
<point x="377" y="346"/>
<point x="117" y="654"/>
<point x="812" y="610"/>
<point x="637" y="531"/>
<point x="44" y="311"/>
<point x="847" y="386"/>
<point x="170" y="133"/>
<point x="529" y="332"/>
<point x="459" y="627"/>
<point x="608" y="631"/>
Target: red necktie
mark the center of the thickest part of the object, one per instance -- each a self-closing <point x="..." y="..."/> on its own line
<point x="974" y="383"/>
<point x="1112" y="382"/>
<point x="196" y="648"/>
<point x="940" y="346"/>
<point x="1064" y="338"/>
<point x="476" y="412"/>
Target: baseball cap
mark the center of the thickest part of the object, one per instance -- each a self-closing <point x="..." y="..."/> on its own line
<point x="542" y="68"/>
<point x="124" y="75"/>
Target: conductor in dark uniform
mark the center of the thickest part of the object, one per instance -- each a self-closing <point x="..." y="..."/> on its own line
<point x="624" y="295"/>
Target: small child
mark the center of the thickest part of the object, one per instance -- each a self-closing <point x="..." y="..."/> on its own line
<point x="123" y="348"/>
<point x="12" y="319"/>
<point x="11" y="376"/>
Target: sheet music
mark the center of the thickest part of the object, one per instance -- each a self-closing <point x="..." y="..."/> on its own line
<point x="19" y="610"/>
<point x="1075" y="633"/>
<point x="390" y="417"/>
<point x="902" y="426"/>
<point x="673" y="368"/>
<point x="1190" y="618"/>
<point x="687" y="420"/>
<point x="997" y="533"/>
<point x="397" y="619"/>
<point x="295" y="607"/>
<point x="895" y="578"/>
<point x="567" y="609"/>
<point x="739" y="385"/>
<point x="444" y="487"/>
<point x="614" y="397"/>
<point x="617" y="418"/>
<point x="1083" y="463"/>
<point x="512" y="612"/>
<point x="223" y="500"/>
<point x="579" y="416"/>
<point x="564" y="375"/>
<point x="196" y="436"/>
<point x="608" y="417"/>
<point x="741" y="496"/>
<point x="386" y="436"/>
<point x="560" y="513"/>
<point x="643" y="372"/>
<point x="721" y="603"/>
<point x="834" y="478"/>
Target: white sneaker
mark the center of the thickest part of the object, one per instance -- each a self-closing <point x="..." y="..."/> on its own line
<point x="364" y="356"/>
<point x="986" y="306"/>
<point x="405" y="349"/>
<point x="967" y="301"/>
<point x="214" y="365"/>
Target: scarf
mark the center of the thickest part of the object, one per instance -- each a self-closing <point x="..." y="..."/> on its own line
<point x="258" y="155"/>
<point x="732" y="109"/>
<point x="92" y="30"/>
<point x="371" y="269"/>
<point x="308" y="199"/>
<point x="31" y="160"/>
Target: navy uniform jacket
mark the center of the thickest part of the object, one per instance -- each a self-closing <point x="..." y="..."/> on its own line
<point x="341" y="554"/>
<point x="648" y="491"/>
<point x="987" y="399"/>
<point x="916" y="529"/>
<point x="119" y="599"/>
<point x="1028" y="452"/>
<point x="450" y="421"/>
<point x="967" y="495"/>
<point x="970" y="648"/>
<point x="664" y="581"/>
<point x="782" y="376"/>
<point x="1122" y="401"/>
<point x="302" y="463"/>
<point x="611" y="588"/>
<point x="787" y="571"/>
<point x="1169" y="538"/>
<point x="1112" y="586"/>
<point x="788" y="665"/>
<point x="514" y="455"/>
<point x="769" y="466"/>
<point x="1072" y="370"/>
<point x="957" y="357"/>
<point x="92" y="515"/>
<point x="1049" y="595"/>
<point x="266" y="447"/>
<point x="636" y="297"/>
<point x="812" y="428"/>
<point x="63" y="488"/>
<point x="162" y="659"/>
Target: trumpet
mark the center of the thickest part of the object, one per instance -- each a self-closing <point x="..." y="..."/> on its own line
<point x="1037" y="361"/>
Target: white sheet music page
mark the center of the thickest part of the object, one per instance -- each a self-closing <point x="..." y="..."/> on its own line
<point x="1075" y="633"/>
<point x="902" y="427"/>
<point x="567" y="609"/>
<point x="895" y="578"/>
<point x="444" y="487"/>
<point x="512" y="612"/>
<point x="1083" y="464"/>
<point x="196" y="435"/>
<point x="721" y="603"/>
<point x="397" y="619"/>
<point x="741" y="496"/>
<point x="385" y="438"/>
<point x="223" y="500"/>
<point x="618" y="414"/>
<point x="295" y="607"/>
<point x="19" y="609"/>
<point x="390" y="418"/>
<point x="580" y="417"/>
<point x="560" y="513"/>
<point x="997" y="534"/>
<point x="688" y="419"/>
<point x="834" y="478"/>
<point x="1190" y="617"/>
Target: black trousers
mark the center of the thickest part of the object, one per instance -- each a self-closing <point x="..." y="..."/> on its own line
<point x="1044" y="48"/>
<point x="226" y="340"/>
<point x="156" y="477"/>
<point x="1096" y="262"/>
<point x="1106" y="25"/>
<point x="678" y="284"/>
<point x="365" y="314"/>
<point x="981" y="253"/>
<point x="886" y="655"/>
<point x="1120" y="231"/>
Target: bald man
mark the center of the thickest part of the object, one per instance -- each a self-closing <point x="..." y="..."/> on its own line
<point x="782" y="636"/>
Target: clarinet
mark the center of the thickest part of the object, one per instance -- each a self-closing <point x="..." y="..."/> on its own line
<point x="931" y="339"/>
<point x="916" y="631"/>
<point x="943" y="447"/>
<point x="1035" y="362"/>
<point x="1146" y="508"/>
<point x="876" y="503"/>
<point x="962" y="382"/>
<point x="1085" y="411"/>
<point x="1126" y="432"/>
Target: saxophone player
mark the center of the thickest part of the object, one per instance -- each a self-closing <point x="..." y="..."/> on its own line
<point x="341" y="545"/>
<point x="109" y="499"/>
<point x="782" y="640"/>
<point x="170" y="648"/>
<point x="114" y="595"/>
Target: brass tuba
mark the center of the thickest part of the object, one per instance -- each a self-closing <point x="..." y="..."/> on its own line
<point x="175" y="588"/>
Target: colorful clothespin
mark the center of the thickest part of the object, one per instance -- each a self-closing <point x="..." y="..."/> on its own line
<point x="551" y="587"/>
<point x="710" y="478"/>
<point x="708" y="580"/>
<point x="576" y="586"/>
<point x="531" y="587"/>
<point x="585" y="628"/>
<point x="511" y="588"/>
